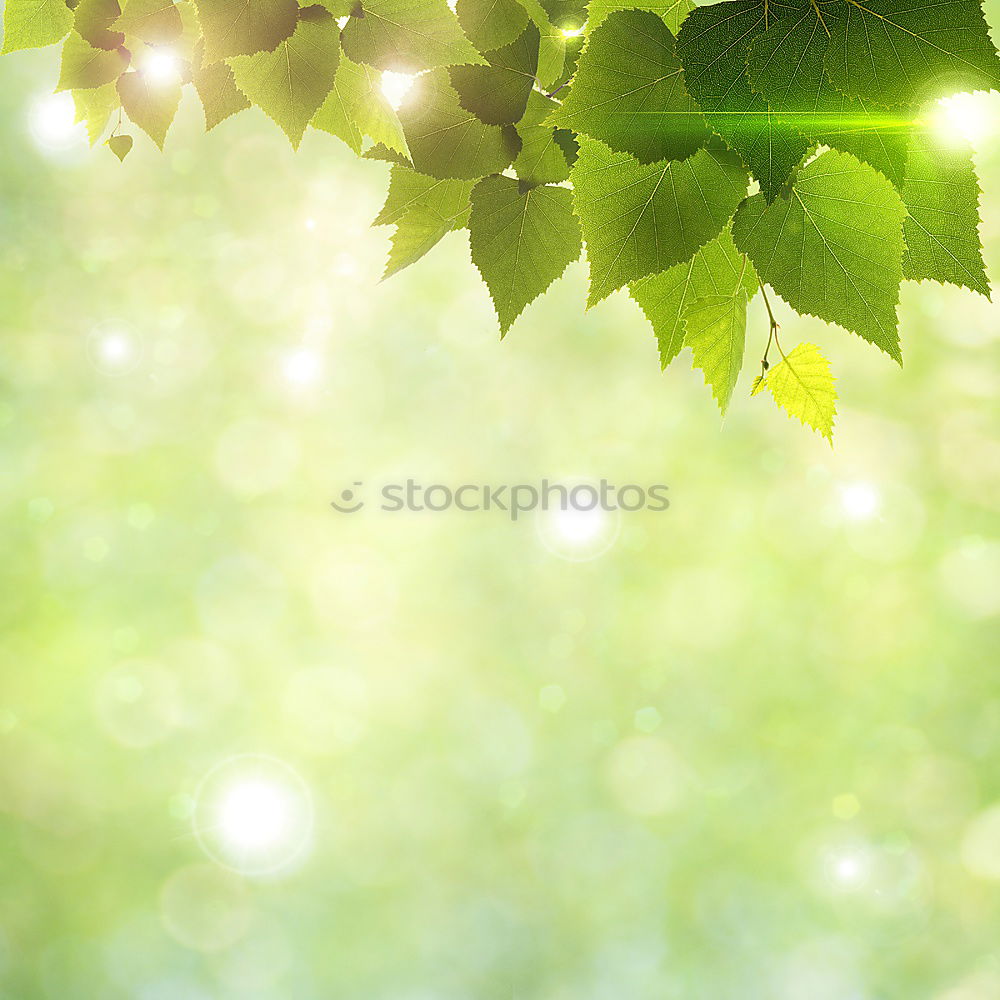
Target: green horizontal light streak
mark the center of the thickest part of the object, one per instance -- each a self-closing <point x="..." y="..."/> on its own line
<point x="795" y="120"/>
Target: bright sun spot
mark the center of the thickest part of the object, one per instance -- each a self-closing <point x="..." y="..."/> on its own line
<point x="302" y="366"/>
<point x="253" y="815"/>
<point x="572" y="32"/>
<point x="860" y="501"/>
<point x="113" y="350"/>
<point x="578" y="527"/>
<point x="971" y="117"/>
<point x="161" y="66"/>
<point x="395" y="87"/>
<point x="53" y="123"/>
<point x="847" y="869"/>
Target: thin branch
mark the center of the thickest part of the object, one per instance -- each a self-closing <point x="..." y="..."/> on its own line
<point x="773" y="334"/>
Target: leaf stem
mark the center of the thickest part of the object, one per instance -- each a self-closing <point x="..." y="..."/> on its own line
<point x="775" y="326"/>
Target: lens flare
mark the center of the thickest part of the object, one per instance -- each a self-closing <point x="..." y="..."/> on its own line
<point x="396" y="87"/>
<point x="253" y="814"/>
<point x="969" y="117"/>
<point x="53" y="125"/>
<point x="302" y="367"/>
<point x="860" y="501"/>
<point x="113" y="350"/>
<point x="581" y="529"/>
<point x="161" y="66"/>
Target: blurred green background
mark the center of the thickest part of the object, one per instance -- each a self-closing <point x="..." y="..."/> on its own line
<point x="747" y="748"/>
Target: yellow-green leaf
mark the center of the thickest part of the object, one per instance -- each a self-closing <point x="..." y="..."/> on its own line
<point x="292" y="82"/>
<point x="93" y="20"/>
<point x="95" y="108"/>
<point x="157" y="22"/>
<point x="120" y="145"/>
<point x="220" y="97"/>
<point x="150" y="104"/>
<point x="31" y="24"/>
<point x="243" y="27"/>
<point x="84" y="67"/>
<point x="802" y="384"/>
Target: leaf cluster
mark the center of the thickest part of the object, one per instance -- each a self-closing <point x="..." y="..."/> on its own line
<point x="698" y="154"/>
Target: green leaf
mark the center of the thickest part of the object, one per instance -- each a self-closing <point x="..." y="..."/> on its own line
<point x="639" y="219"/>
<point x="338" y="8"/>
<point x="245" y="27"/>
<point x="220" y="97"/>
<point x="522" y="240"/>
<point x="941" y="194"/>
<point x="380" y="151"/>
<point x="373" y="112"/>
<point x="542" y="159"/>
<point x="714" y="45"/>
<point x="356" y="107"/>
<point x="758" y="385"/>
<point x="566" y="14"/>
<point x="671" y="12"/>
<point x="802" y="384"/>
<point x="571" y="47"/>
<point x="32" y="24"/>
<point x="336" y="114"/>
<point x="906" y="52"/>
<point x="553" y="49"/>
<point x="95" y="107"/>
<point x="92" y="21"/>
<point x="717" y="269"/>
<point x="156" y="22"/>
<point x="491" y="24"/>
<point x="84" y="67"/>
<point x="120" y="145"/>
<point x="407" y="36"/>
<point x="448" y="199"/>
<point x="716" y="334"/>
<point x="629" y="91"/>
<point x="445" y="140"/>
<point x="190" y="45"/>
<point x="417" y="232"/>
<point x="497" y="94"/>
<point x="292" y="82"/>
<point x="786" y="66"/>
<point x="832" y="246"/>
<point x="151" y="104"/>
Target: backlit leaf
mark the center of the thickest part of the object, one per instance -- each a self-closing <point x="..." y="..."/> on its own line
<point x="292" y="82"/>
<point x="802" y="384"/>
<point x="151" y="104"/>
<point x="522" y="239"/>
<point x="640" y="219"/>
<point x="941" y="194"/>
<point x="407" y="36"/>
<point x="446" y="140"/>
<point x="629" y="91"/>
<point x="832" y="246"/>
<point x="85" y="67"/>
<point x="244" y="27"/>
<point x="718" y="268"/>
<point x="31" y="24"/>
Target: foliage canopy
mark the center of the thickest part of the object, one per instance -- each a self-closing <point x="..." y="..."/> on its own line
<point x="711" y="150"/>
